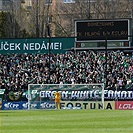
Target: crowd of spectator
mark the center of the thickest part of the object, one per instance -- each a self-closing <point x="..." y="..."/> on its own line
<point x="80" y="67"/>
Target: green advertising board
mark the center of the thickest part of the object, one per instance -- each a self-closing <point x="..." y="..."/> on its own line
<point x="102" y="44"/>
<point x="38" y="45"/>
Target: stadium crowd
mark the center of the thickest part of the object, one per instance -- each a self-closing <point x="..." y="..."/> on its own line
<point x="82" y="67"/>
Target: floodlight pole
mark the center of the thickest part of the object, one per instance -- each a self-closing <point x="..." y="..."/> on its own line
<point x="37" y="19"/>
<point x="106" y="60"/>
<point x="89" y="10"/>
<point x="49" y="40"/>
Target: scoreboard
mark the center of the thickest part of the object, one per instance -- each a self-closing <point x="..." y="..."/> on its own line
<point x="100" y="30"/>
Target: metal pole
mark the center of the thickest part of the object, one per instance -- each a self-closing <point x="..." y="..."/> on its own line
<point x="88" y="5"/>
<point x="37" y="17"/>
<point x="48" y="30"/>
<point x="106" y="50"/>
<point x="49" y="35"/>
<point x="132" y="9"/>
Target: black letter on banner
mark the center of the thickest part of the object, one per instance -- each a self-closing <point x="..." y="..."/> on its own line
<point x="91" y="105"/>
<point x="109" y="106"/>
<point x="100" y="105"/>
<point x="69" y="104"/>
<point x="85" y="105"/>
<point x="78" y="104"/>
<point x="62" y="104"/>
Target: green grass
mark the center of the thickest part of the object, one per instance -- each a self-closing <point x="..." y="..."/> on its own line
<point x="66" y="121"/>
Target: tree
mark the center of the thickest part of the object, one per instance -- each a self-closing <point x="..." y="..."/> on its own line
<point x="33" y="19"/>
<point x="66" y="13"/>
<point x="2" y="22"/>
<point x="10" y="19"/>
<point x="36" y="17"/>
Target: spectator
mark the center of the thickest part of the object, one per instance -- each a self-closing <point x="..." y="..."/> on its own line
<point x="83" y="67"/>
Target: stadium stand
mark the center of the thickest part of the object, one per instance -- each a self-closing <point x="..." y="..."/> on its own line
<point x="18" y="70"/>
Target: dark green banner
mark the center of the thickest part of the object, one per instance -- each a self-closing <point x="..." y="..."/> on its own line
<point x="56" y="45"/>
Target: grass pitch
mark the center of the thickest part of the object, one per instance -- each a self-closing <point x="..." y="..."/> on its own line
<point x="66" y="121"/>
